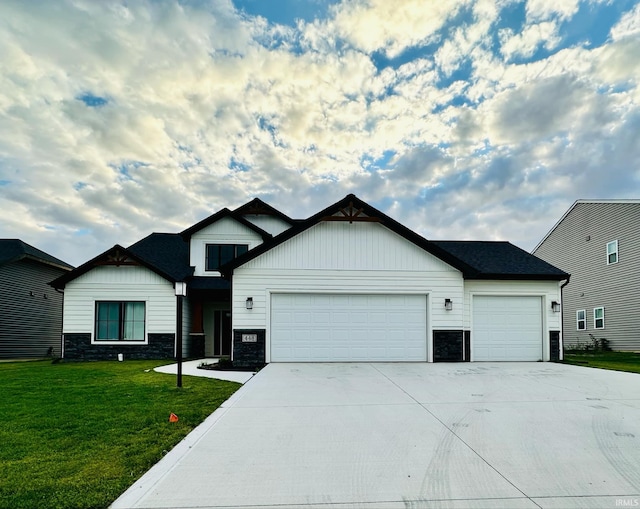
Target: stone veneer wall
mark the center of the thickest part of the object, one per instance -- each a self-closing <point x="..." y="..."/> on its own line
<point x="79" y="347"/>
<point x="447" y="346"/>
<point x="554" y="344"/>
<point x="249" y="355"/>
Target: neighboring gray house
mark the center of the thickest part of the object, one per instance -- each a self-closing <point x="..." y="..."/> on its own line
<point x="598" y="242"/>
<point x="346" y="284"/>
<point x="30" y="309"/>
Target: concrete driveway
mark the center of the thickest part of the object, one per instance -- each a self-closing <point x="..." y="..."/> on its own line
<point x="393" y="435"/>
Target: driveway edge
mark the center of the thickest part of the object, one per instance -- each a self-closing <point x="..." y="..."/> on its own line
<point x="138" y="490"/>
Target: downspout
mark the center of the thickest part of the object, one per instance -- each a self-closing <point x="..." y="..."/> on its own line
<point x="61" y="324"/>
<point x="561" y="352"/>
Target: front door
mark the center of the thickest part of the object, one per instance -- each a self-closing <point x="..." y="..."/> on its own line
<point x="222" y="333"/>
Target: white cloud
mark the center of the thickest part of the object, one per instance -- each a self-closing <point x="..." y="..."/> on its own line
<point x="381" y="25"/>
<point x="628" y="26"/>
<point x="526" y="43"/>
<point x="538" y="10"/>
<point x="206" y="108"/>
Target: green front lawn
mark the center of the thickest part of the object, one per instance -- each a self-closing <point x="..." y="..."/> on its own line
<point x="619" y="361"/>
<point x="76" y="435"/>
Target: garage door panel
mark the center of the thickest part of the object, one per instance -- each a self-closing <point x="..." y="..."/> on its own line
<point x="507" y="328"/>
<point x="321" y="327"/>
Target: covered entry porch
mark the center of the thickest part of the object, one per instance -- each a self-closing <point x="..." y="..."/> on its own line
<point x="210" y="321"/>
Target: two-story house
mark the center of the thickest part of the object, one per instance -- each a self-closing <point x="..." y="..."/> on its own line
<point x="598" y="242"/>
<point x="346" y="284"/>
<point x="30" y="310"/>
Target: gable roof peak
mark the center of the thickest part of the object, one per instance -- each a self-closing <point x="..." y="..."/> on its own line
<point x="260" y="207"/>
<point x="221" y="214"/>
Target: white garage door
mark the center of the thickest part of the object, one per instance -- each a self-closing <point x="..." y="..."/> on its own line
<point x="507" y="328"/>
<point x="328" y="328"/>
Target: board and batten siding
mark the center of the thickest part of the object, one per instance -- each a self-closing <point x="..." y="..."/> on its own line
<point x="123" y="283"/>
<point x="31" y="310"/>
<point x="224" y="231"/>
<point x="548" y="291"/>
<point x="578" y="246"/>
<point x="337" y="257"/>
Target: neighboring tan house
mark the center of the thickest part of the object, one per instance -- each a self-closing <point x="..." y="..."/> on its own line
<point x="347" y="284"/>
<point x="598" y="242"/>
<point x="30" y="310"/>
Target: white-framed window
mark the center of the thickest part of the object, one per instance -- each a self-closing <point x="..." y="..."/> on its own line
<point x="217" y="255"/>
<point x="612" y="252"/>
<point x="120" y="321"/>
<point x="598" y="318"/>
<point x="581" y="319"/>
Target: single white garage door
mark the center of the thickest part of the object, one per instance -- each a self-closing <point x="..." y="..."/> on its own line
<point x="507" y="328"/>
<point x="330" y="328"/>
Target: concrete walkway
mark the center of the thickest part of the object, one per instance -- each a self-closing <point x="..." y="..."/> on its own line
<point x="392" y="435"/>
<point x="190" y="368"/>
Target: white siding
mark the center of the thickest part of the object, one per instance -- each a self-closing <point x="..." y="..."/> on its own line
<point x="271" y="224"/>
<point x="343" y="258"/>
<point x="343" y="246"/>
<point x="224" y="231"/>
<point x="119" y="283"/>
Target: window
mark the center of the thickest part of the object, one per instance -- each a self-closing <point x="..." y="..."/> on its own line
<point x="598" y="318"/>
<point x="612" y="252"/>
<point x="581" y="318"/>
<point x="219" y="254"/>
<point x="120" y="321"/>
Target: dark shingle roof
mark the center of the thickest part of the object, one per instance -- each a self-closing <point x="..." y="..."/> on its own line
<point x="168" y="252"/>
<point x="476" y="260"/>
<point x="499" y="260"/>
<point x="14" y="249"/>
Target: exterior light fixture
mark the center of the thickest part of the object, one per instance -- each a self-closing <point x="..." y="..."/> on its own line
<point x="448" y="304"/>
<point x="555" y="306"/>
<point x="181" y="288"/>
<point x="249" y="303"/>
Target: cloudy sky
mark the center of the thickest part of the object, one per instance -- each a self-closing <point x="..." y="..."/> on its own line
<point x="463" y="119"/>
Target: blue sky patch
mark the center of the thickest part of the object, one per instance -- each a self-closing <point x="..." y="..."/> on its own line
<point x="93" y="101"/>
<point x="286" y="12"/>
<point x="5" y="182"/>
<point x="125" y="167"/>
<point x="236" y="165"/>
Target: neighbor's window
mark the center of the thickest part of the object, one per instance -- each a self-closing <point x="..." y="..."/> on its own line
<point x="219" y="254"/>
<point x="120" y="321"/>
<point x="598" y="318"/>
<point x="581" y="318"/>
<point x="612" y="252"/>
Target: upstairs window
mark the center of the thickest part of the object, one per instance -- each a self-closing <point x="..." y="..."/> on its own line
<point x="581" y="319"/>
<point x="120" y="321"/>
<point x="612" y="252"/>
<point x="219" y="254"/>
<point x="598" y="318"/>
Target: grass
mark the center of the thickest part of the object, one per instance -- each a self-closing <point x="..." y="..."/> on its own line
<point x="618" y="361"/>
<point x="77" y="435"/>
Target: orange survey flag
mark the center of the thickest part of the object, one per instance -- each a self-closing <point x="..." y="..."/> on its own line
<point x="173" y="417"/>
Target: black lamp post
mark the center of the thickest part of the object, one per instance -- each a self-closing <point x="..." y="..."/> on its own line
<point x="181" y="292"/>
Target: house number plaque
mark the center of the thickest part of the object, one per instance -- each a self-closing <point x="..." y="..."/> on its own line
<point x="249" y="338"/>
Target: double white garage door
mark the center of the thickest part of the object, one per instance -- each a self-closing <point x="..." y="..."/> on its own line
<point x="322" y="328"/>
<point x="328" y="328"/>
